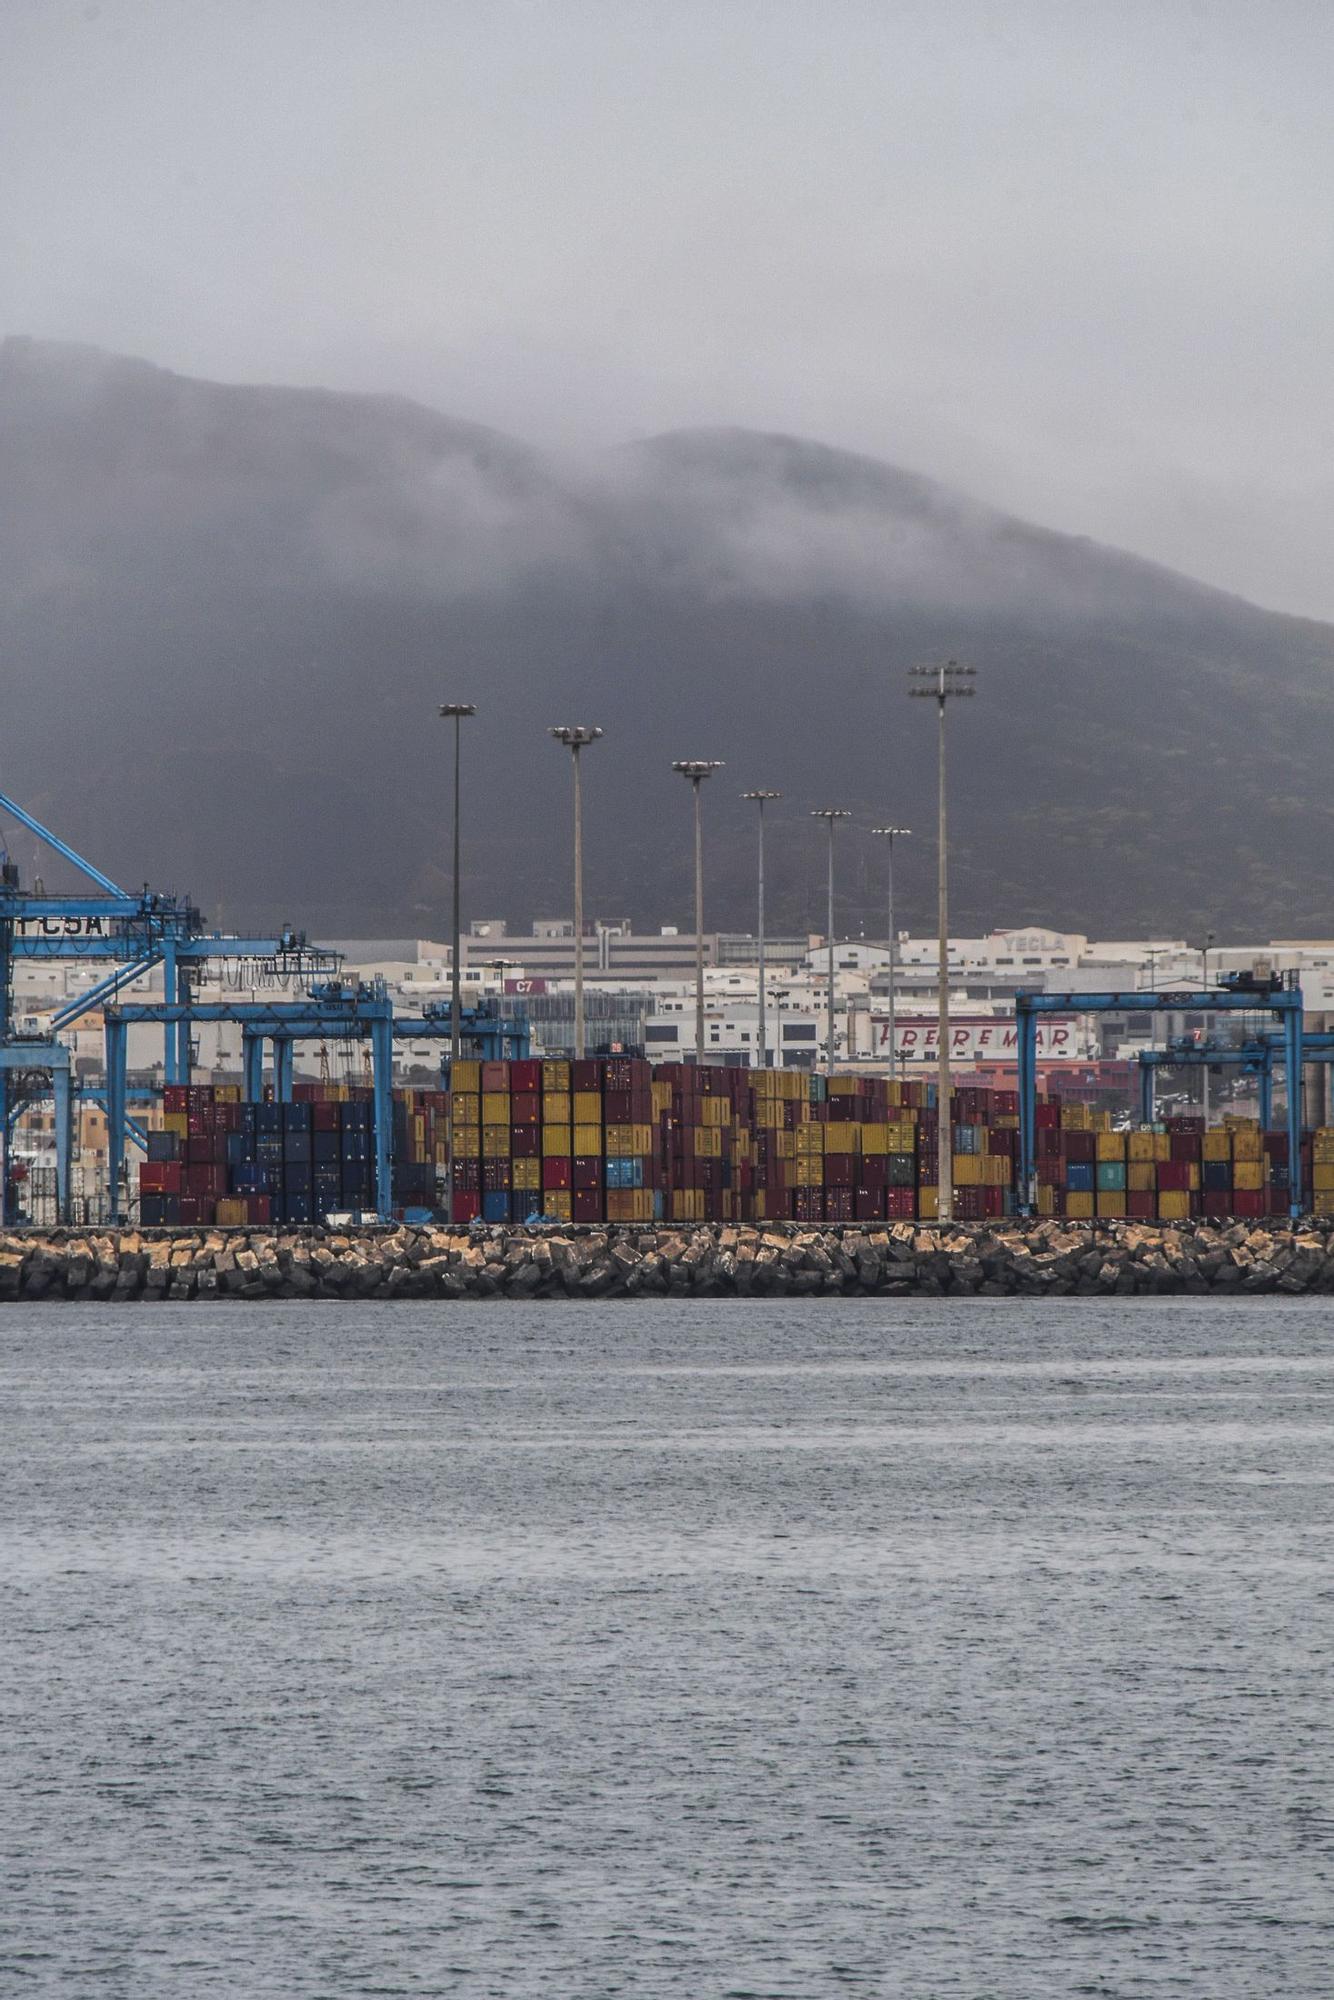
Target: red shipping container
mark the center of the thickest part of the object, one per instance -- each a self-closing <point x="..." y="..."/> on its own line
<point x="1173" y="1175"/>
<point x="468" y="1176"/>
<point x="161" y="1177"/>
<point x="1218" y="1203"/>
<point x="557" y="1173"/>
<point x="587" y="1171"/>
<point x="465" y="1207"/>
<point x="869" y="1204"/>
<point x="201" y="1181"/>
<point x="585" y="1074"/>
<point x="258" y="1208"/>
<point x="525" y="1075"/>
<point x="1141" y="1207"/>
<point x="586" y="1205"/>
<point x="838" y="1204"/>
<point x="175" y="1097"/>
<point x="838" y="1171"/>
<point x="525" y="1107"/>
<point x="323" y="1115"/>
<point x="1081" y="1146"/>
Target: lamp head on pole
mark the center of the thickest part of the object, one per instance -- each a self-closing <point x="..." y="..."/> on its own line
<point x="458" y="708"/>
<point x="762" y="797"/>
<point x="575" y="735"/>
<point x="941" y="681"/>
<point x="892" y="832"/>
<point x="697" y="768"/>
<point x="831" y="813"/>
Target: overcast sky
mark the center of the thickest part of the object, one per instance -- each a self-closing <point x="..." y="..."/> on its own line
<point x="1075" y="258"/>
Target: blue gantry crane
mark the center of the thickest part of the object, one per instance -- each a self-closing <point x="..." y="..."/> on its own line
<point x="1236" y="993"/>
<point x="135" y="932"/>
<point x="1254" y="1056"/>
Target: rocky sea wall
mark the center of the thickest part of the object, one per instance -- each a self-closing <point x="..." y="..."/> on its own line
<point x="904" y="1260"/>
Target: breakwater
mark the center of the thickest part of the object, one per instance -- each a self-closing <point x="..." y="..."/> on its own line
<point x="1031" y="1259"/>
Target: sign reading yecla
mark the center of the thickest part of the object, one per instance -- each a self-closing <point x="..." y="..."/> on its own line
<point x="974" y="1041"/>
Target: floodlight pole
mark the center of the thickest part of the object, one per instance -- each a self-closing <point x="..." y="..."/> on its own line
<point x="576" y="736"/>
<point x="890" y="834"/>
<point x="697" y="769"/>
<point x="940" y="683"/>
<point x="759" y="799"/>
<point x="830" y="814"/>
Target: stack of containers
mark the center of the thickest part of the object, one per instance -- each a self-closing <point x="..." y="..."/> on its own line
<point x="464" y="1120"/>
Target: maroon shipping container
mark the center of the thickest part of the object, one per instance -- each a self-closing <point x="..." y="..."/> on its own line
<point x="557" y="1173"/>
<point x="526" y="1075"/>
<point x="585" y="1074"/>
<point x="161" y="1177"/>
<point x="901" y="1204"/>
<point x="1173" y="1175"/>
<point x="203" y="1181"/>
<point x="838" y="1171"/>
<point x="587" y="1171"/>
<point x="465" y="1206"/>
<point x="870" y="1203"/>
<point x="1141" y="1207"/>
<point x="838" y="1204"/>
<point x="586" y="1205"/>
<point x="323" y="1115"/>
<point x="1082" y="1146"/>
<point x="525" y="1141"/>
<point x="525" y="1107"/>
<point x="258" y="1208"/>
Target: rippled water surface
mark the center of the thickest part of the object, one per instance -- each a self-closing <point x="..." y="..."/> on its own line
<point x="691" y="1650"/>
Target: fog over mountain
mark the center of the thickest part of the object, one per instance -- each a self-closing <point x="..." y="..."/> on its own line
<point x="227" y="616"/>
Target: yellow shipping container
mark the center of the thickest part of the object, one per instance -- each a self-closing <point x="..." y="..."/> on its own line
<point x="1173" y="1205"/>
<point x="875" y="1140"/>
<point x="1141" y="1176"/>
<point x="1046" y="1199"/>
<point x="784" y="1145"/>
<point x="810" y="1139"/>
<point x="495" y="1107"/>
<point x="662" y="1098"/>
<point x="1110" y="1146"/>
<point x="468" y="1141"/>
<point x="968" y="1169"/>
<point x="588" y="1107"/>
<point x="230" y="1212"/>
<point x="1322" y="1176"/>
<point x="177" y="1122"/>
<point x="558" y="1108"/>
<point x="556" y="1142"/>
<point x="495" y="1142"/>
<point x="1216" y="1144"/>
<point x="1248" y="1144"/>
<point x="928" y="1203"/>
<point x="1111" y="1202"/>
<point x="1079" y="1204"/>
<point x="714" y="1111"/>
<point x="842" y="1086"/>
<point x="466" y="1074"/>
<point x="809" y="1172"/>
<point x="709" y="1143"/>
<point x="687" y="1205"/>
<point x="558" y="1204"/>
<point x="1140" y="1146"/>
<point x="556" y="1078"/>
<point x="525" y="1174"/>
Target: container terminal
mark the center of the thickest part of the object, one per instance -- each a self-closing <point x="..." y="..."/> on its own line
<point x="511" y="1131"/>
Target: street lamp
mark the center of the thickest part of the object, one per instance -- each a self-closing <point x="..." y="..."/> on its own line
<point x="455" y="711"/>
<point x="575" y="736"/>
<point x="759" y="799"/>
<point x="697" y="769"/>
<point x="1204" y="1067"/>
<point x="830" y="814"/>
<point x="891" y="834"/>
<point x="941" y="683"/>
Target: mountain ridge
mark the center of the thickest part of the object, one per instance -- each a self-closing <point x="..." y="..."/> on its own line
<point x="227" y="615"/>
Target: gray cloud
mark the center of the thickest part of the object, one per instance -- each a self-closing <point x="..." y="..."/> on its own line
<point x="1074" y="260"/>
